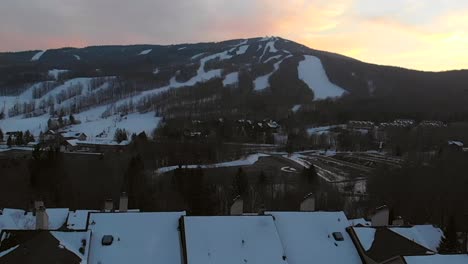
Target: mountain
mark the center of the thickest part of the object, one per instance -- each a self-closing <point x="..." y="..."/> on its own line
<point x="134" y="87"/>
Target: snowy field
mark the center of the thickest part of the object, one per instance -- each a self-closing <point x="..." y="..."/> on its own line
<point x="311" y="71"/>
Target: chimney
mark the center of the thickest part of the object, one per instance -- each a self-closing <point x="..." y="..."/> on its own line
<point x="42" y="219"/>
<point x="108" y="205"/>
<point x="308" y="204"/>
<point x="123" y="203"/>
<point x="38" y="204"/>
<point x="237" y="207"/>
<point x="399" y="221"/>
<point x="381" y="216"/>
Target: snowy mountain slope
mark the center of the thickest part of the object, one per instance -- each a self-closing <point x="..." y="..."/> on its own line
<point x="144" y="79"/>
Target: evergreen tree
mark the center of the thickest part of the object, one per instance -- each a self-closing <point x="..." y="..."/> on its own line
<point x="120" y="135"/>
<point x="449" y="244"/>
<point x="9" y="142"/>
<point x="72" y="119"/>
<point x="1" y="135"/>
<point x="19" y="139"/>
<point x="240" y="182"/>
<point x="28" y="137"/>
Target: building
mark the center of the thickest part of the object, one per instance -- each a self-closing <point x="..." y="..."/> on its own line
<point x="69" y="135"/>
<point x="385" y="244"/>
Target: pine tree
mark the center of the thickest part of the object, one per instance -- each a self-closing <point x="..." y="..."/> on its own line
<point x="9" y="142"/>
<point x="449" y="244"/>
<point x="72" y="119"/>
<point x="240" y="182"/>
<point x="1" y="135"/>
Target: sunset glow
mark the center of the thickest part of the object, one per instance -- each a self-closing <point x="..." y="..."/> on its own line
<point x="426" y="35"/>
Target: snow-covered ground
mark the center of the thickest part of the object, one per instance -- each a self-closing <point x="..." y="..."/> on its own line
<point x="242" y="49"/>
<point x="77" y="57"/>
<point x="56" y="72"/>
<point x="311" y="71"/>
<point x="231" y="78"/>
<point x="272" y="58"/>
<point x="263" y="82"/>
<point x="144" y="52"/>
<point x="437" y="259"/>
<point x="38" y="55"/>
<point x="296" y="108"/>
<point x="249" y="160"/>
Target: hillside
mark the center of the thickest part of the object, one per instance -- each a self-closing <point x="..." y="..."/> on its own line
<point x="134" y="87"/>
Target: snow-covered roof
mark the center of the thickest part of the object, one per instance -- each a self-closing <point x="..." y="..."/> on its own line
<point x="77" y="219"/>
<point x="137" y="238"/>
<point x="427" y="236"/>
<point x="437" y="259"/>
<point x="456" y="143"/>
<point x="17" y="219"/>
<point x="307" y="237"/>
<point x="366" y="236"/>
<point x="359" y="221"/>
<point x="73" y="241"/>
<point x="232" y="240"/>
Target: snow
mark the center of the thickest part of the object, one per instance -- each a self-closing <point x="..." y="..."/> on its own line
<point x="299" y="159"/>
<point x="38" y="55"/>
<point x="198" y="55"/>
<point x="359" y="221"/>
<point x="273" y="58"/>
<point x="366" y="236"/>
<point x="77" y="220"/>
<point x="249" y="160"/>
<point x="145" y="52"/>
<point x="296" y="108"/>
<point x="311" y="71"/>
<point x="83" y="81"/>
<point x="269" y="47"/>
<point x="437" y="259"/>
<point x="231" y="78"/>
<point x="72" y="242"/>
<point x="4" y="253"/>
<point x="56" y="72"/>
<point x="16" y="219"/>
<point x="322" y="129"/>
<point x="77" y="57"/>
<point x="262" y="82"/>
<point x="138" y="238"/>
<point x="242" y="49"/>
<point x="232" y="240"/>
<point x="307" y="237"/>
<point x="182" y="48"/>
<point x="155" y="71"/>
<point x="427" y="236"/>
<point x="92" y="124"/>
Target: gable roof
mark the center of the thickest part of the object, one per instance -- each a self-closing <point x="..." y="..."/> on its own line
<point x="42" y="247"/>
<point x="232" y="240"/>
<point x="77" y="220"/>
<point x="427" y="236"/>
<point x="381" y="244"/>
<point x="437" y="259"/>
<point x="137" y="238"/>
<point x="17" y="219"/>
<point x="307" y="237"/>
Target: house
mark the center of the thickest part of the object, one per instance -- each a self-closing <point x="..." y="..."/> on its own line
<point x="391" y="244"/>
<point x="39" y="246"/>
<point x="68" y="135"/>
<point x="454" y="145"/>
<point x="17" y="219"/>
<point x="231" y="240"/>
<point x="315" y="237"/>
<point x="69" y="145"/>
<point x="135" y="238"/>
<point x="437" y="259"/>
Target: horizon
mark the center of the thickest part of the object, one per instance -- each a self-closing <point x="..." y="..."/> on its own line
<point x="420" y="35"/>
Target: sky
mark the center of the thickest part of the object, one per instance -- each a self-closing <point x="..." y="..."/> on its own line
<point x="430" y="35"/>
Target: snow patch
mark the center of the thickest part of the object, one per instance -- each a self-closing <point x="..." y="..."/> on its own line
<point x="262" y="82"/>
<point x="296" y="108"/>
<point x="38" y="55"/>
<point x="427" y="236"/>
<point x="249" y="160"/>
<point x="77" y="57"/>
<point x="56" y="72"/>
<point x="231" y="78"/>
<point x="311" y="71"/>
<point x="6" y="252"/>
<point x="198" y="55"/>
<point x="242" y="49"/>
<point x="182" y="48"/>
<point x="145" y="52"/>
